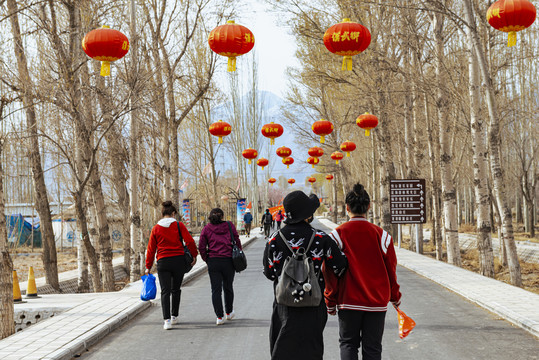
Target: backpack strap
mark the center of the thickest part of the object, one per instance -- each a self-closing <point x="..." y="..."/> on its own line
<point x="285" y="240"/>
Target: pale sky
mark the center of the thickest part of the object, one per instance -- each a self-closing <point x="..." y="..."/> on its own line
<point x="274" y="46"/>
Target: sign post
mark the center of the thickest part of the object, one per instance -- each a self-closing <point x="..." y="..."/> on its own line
<point x="407" y="201"/>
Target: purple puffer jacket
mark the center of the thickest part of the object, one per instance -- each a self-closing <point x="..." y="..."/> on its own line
<point x="215" y="242"/>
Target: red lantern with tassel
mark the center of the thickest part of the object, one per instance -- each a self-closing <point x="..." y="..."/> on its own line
<point x="313" y="161"/>
<point x="511" y="16"/>
<point x="105" y="45"/>
<point x="288" y="161"/>
<point x="348" y="147"/>
<point x="347" y="39"/>
<point x="291" y="181"/>
<point x="272" y="181"/>
<point x="316" y="151"/>
<point x="272" y="131"/>
<point x="249" y="154"/>
<point x="329" y="177"/>
<point x="231" y="40"/>
<point x="220" y="129"/>
<point x="322" y="128"/>
<point x="312" y="180"/>
<point x="337" y="156"/>
<point x="262" y="162"/>
<point x="367" y="122"/>
<point x="283" y="152"/>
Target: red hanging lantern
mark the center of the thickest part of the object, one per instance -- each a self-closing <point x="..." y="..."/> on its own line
<point x="348" y="147"/>
<point x="262" y="162"/>
<point x="316" y="151"/>
<point x="313" y="161"/>
<point x="337" y="156"/>
<point x="347" y="39"/>
<point x="367" y="122"/>
<point x="220" y="129"/>
<point x="231" y="40"/>
<point x="312" y="180"/>
<point x="322" y="127"/>
<point x="249" y="154"/>
<point x="272" y="181"/>
<point x="283" y="152"/>
<point x="291" y="181"/>
<point x="105" y="45"/>
<point x="288" y="161"/>
<point x="511" y="16"/>
<point x="272" y="131"/>
<point x="329" y="177"/>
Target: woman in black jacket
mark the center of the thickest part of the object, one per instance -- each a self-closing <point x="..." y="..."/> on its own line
<point x="297" y="332"/>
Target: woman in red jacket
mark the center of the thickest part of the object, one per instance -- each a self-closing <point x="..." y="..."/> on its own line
<point x="167" y="239"/>
<point x="362" y="294"/>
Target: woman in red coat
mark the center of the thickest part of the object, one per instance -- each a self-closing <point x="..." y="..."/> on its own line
<point x="166" y="240"/>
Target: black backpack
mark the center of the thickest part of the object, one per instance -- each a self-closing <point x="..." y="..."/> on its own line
<point x="298" y="285"/>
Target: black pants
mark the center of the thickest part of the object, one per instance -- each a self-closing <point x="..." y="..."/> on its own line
<point x="221" y="271"/>
<point x="278" y="225"/>
<point x="170" y="271"/>
<point x="297" y="332"/>
<point x="361" y="329"/>
<point x="267" y="229"/>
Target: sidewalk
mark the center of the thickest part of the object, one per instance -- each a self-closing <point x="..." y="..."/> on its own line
<point x="80" y="320"/>
<point x="516" y="305"/>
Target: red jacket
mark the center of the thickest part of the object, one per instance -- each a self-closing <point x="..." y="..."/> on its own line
<point x="166" y="241"/>
<point x="371" y="280"/>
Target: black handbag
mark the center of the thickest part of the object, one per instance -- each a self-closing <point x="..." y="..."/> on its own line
<point x="238" y="256"/>
<point x="187" y="254"/>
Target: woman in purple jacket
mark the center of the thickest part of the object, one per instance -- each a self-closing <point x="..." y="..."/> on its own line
<point x="215" y="246"/>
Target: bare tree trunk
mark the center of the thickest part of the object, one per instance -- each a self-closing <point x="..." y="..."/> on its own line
<point x="50" y="264"/>
<point x="7" y="311"/>
<point x="374" y="200"/>
<point x="436" y="237"/>
<point x="480" y="166"/>
<point x="448" y="188"/>
<point x="134" y="169"/>
<point x="495" y="142"/>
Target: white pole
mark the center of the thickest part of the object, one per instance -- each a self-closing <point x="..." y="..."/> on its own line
<point x="399" y="234"/>
<point x="417" y="238"/>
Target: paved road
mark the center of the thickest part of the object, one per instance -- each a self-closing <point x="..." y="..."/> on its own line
<point x="448" y="326"/>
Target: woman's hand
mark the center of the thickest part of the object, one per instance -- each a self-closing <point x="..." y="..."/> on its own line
<point x="147" y="271"/>
<point x="194" y="261"/>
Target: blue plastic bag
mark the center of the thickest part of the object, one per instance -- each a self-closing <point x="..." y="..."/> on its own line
<point x="149" y="289"/>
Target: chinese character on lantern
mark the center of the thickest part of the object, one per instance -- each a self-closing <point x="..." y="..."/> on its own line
<point x="348" y="147"/>
<point x="288" y="161"/>
<point x="272" y="131"/>
<point x="367" y="122"/>
<point x="262" y="162"/>
<point x="337" y="156"/>
<point x="322" y="128"/>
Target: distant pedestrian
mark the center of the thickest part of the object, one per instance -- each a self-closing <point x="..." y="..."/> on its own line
<point x="267" y="222"/>
<point x="248" y="220"/>
<point x="362" y="294"/>
<point x="166" y="239"/>
<point x="278" y="218"/>
<point x="215" y="245"/>
<point x="297" y="332"/>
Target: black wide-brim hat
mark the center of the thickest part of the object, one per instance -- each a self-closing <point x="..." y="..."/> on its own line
<point x="298" y="206"/>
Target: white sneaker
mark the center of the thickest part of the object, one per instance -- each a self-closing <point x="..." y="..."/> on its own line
<point x="231" y="315"/>
<point x="174" y="320"/>
<point x="220" y="321"/>
<point x="167" y="325"/>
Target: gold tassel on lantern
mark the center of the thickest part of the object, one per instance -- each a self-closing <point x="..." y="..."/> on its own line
<point x="367" y="132"/>
<point x="105" y="68"/>
<point x="220" y="140"/>
<point x="322" y="139"/>
<point x="512" y="40"/>
<point x="231" y="64"/>
<point x="347" y="63"/>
